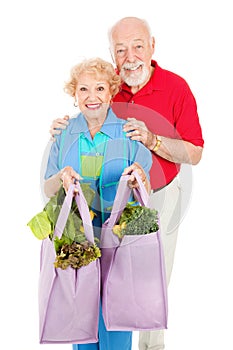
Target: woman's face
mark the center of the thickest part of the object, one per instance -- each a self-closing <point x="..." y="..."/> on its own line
<point x="93" y="96"/>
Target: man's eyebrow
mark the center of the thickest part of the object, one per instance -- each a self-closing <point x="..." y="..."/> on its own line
<point x="119" y="44"/>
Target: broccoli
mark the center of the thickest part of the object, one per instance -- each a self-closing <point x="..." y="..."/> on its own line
<point x="136" y="220"/>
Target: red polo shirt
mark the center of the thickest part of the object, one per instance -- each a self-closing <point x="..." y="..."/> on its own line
<point x="168" y="108"/>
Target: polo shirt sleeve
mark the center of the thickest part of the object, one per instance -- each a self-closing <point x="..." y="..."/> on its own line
<point x="186" y="117"/>
<point x="53" y="159"/>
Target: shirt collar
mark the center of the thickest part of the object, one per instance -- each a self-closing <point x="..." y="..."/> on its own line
<point x="80" y="124"/>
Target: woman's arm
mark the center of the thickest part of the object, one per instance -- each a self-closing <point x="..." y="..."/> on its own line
<point x="132" y="182"/>
<point x="52" y="185"/>
<point x="65" y="176"/>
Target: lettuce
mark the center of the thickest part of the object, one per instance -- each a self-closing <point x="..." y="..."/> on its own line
<point x="76" y="255"/>
<point x="72" y="248"/>
<point x="40" y="225"/>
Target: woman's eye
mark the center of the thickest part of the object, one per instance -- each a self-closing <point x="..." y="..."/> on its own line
<point x="100" y="88"/>
<point x="83" y="89"/>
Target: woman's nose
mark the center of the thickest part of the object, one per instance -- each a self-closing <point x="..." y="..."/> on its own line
<point x="92" y="94"/>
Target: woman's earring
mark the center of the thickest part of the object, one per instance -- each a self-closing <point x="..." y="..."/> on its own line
<point x="75" y="104"/>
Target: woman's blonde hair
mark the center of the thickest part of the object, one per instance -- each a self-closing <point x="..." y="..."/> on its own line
<point x="100" y="69"/>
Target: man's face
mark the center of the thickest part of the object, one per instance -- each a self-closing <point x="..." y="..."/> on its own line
<point x="133" y="49"/>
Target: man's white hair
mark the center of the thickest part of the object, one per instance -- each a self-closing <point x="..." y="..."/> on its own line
<point x="110" y="31"/>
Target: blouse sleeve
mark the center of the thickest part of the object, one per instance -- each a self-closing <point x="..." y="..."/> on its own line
<point x="143" y="157"/>
<point x="53" y="159"/>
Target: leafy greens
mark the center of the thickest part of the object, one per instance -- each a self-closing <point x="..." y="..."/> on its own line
<point x="136" y="220"/>
<point x="72" y="249"/>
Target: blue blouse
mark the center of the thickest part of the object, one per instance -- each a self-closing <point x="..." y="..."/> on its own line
<point x="100" y="161"/>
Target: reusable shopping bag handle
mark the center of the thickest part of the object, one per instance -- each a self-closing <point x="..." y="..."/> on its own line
<point x="83" y="210"/>
<point x="122" y="196"/>
<point x="140" y="193"/>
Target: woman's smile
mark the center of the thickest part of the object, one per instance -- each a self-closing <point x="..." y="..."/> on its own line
<point x="93" y="106"/>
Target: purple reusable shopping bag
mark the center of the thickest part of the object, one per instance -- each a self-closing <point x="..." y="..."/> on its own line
<point x="69" y="299"/>
<point x="134" y="292"/>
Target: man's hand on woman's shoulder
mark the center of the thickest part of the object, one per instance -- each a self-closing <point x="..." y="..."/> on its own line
<point x="58" y="125"/>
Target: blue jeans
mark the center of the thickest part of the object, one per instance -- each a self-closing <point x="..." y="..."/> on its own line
<point x="108" y="340"/>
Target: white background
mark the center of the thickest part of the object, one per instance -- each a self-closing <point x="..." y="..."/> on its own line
<point x="40" y="41"/>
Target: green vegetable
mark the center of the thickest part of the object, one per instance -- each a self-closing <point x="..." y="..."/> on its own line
<point x="40" y="225"/>
<point x="72" y="248"/>
<point x="76" y="255"/>
<point x="136" y="220"/>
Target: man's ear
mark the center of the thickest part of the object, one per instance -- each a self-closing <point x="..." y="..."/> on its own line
<point x="153" y="43"/>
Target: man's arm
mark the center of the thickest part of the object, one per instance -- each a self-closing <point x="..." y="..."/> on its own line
<point x="174" y="150"/>
<point x="178" y="151"/>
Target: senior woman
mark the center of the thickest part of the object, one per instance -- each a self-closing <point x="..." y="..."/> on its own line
<point x="95" y="149"/>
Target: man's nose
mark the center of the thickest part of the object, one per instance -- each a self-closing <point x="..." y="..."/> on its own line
<point x="130" y="55"/>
